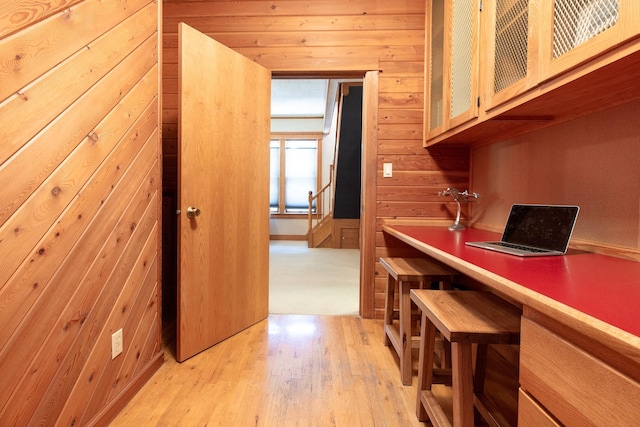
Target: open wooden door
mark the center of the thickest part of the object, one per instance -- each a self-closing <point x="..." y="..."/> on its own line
<point x="223" y="192"/>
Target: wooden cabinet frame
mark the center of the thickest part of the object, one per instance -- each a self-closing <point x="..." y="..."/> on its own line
<point x="626" y="28"/>
<point x="447" y="120"/>
<point x="490" y="98"/>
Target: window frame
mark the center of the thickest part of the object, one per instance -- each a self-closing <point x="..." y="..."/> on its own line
<point x="283" y="137"/>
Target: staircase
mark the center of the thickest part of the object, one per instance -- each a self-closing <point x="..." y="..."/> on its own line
<point x="333" y="215"/>
<point x="320" y="229"/>
<point x="324" y="230"/>
<point x="321" y="235"/>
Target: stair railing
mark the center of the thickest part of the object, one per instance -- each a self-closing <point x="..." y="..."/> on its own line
<point x="322" y="199"/>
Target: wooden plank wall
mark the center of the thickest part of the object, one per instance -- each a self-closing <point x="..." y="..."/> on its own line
<point x="79" y="206"/>
<point x="333" y="37"/>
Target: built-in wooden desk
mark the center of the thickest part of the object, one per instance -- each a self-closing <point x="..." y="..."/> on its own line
<point x="580" y="349"/>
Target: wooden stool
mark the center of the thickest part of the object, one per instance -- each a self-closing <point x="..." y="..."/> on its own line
<point x="464" y="318"/>
<point x="408" y="273"/>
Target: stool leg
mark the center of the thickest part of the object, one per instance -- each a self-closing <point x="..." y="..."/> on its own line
<point x="406" y="368"/>
<point x="447" y="354"/>
<point x="445" y="358"/>
<point x="481" y="368"/>
<point x="425" y="363"/>
<point x="462" y="379"/>
<point x="388" y="305"/>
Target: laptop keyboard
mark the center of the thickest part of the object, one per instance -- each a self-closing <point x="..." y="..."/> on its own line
<point x="520" y="247"/>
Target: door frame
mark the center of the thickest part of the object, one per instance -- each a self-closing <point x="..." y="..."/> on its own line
<point x="368" y="212"/>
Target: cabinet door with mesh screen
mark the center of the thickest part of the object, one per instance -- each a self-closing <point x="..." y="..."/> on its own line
<point x="464" y="61"/>
<point x="436" y="77"/>
<point x="512" y="49"/>
<point x="452" y="68"/>
<point x="575" y="31"/>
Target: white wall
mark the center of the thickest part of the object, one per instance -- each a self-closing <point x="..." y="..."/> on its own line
<point x="297" y="124"/>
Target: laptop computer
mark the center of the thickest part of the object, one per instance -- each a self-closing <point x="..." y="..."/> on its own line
<point x="535" y="230"/>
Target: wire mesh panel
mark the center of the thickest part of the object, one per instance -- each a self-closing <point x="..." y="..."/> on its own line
<point x="436" y="64"/>
<point x="512" y="26"/>
<point x="462" y="56"/>
<point x="576" y="21"/>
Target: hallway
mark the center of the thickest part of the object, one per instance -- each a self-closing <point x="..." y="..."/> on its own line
<point x="318" y="281"/>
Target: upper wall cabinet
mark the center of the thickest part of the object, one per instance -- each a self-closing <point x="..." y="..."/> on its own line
<point x="451" y="89"/>
<point x="513" y="66"/>
<point x="575" y="31"/>
<point x="511" y="49"/>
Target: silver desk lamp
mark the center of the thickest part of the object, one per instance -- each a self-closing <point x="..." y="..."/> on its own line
<point x="459" y="197"/>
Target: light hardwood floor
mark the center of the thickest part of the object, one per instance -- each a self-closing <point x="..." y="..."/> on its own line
<point x="289" y="370"/>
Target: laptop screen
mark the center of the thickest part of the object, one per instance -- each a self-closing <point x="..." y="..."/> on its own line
<point x="540" y="226"/>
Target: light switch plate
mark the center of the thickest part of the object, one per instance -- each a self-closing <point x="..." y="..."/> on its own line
<point x="387" y="170"/>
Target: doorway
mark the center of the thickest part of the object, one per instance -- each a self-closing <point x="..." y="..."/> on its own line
<point x="326" y="279"/>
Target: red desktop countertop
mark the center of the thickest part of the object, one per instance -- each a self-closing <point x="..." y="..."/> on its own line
<point x="604" y="287"/>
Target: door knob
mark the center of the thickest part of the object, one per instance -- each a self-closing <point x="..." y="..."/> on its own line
<point x="193" y="212"/>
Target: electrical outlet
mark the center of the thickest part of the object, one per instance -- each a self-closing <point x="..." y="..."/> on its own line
<point x="116" y="343"/>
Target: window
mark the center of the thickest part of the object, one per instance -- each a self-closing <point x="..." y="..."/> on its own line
<point x="294" y="172"/>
